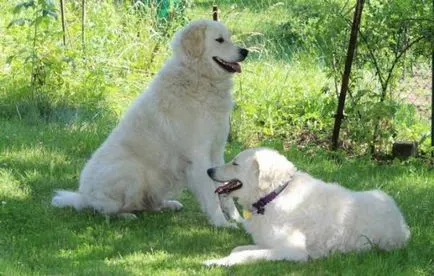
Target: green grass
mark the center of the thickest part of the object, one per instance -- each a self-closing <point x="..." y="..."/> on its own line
<point x="37" y="239"/>
<point x="283" y="99"/>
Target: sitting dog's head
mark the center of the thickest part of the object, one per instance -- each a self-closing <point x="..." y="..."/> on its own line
<point x="252" y="174"/>
<point x="206" y="46"/>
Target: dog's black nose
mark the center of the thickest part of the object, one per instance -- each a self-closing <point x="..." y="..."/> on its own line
<point x="210" y="172"/>
<point x="244" y="52"/>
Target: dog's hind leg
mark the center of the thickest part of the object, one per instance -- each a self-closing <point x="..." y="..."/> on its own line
<point x="245" y="247"/>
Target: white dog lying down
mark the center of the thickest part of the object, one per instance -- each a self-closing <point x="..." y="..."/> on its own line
<point x="293" y="216"/>
<point x="170" y="135"/>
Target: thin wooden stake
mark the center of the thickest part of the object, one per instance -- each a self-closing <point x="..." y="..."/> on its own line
<point x="83" y="21"/>
<point x="62" y="15"/>
<point x="432" y="91"/>
<point x="215" y="13"/>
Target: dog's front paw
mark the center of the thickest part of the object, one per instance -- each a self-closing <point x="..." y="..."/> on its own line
<point x="228" y="224"/>
<point x="221" y="221"/>
<point x="217" y="262"/>
<point x="233" y="225"/>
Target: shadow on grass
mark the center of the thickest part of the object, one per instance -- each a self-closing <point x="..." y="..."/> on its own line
<point x="37" y="238"/>
<point x="48" y="240"/>
<point x="37" y="159"/>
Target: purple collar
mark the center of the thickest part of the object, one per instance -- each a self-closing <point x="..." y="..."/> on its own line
<point x="260" y="204"/>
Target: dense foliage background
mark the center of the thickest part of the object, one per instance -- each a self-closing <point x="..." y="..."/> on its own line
<point x="289" y="85"/>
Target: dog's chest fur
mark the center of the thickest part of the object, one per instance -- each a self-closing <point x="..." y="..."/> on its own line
<point x="197" y="108"/>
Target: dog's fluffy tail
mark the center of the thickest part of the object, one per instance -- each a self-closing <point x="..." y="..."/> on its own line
<point x="64" y="198"/>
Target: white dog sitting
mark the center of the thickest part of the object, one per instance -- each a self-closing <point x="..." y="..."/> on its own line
<point x="170" y="136"/>
<point x="293" y="216"/>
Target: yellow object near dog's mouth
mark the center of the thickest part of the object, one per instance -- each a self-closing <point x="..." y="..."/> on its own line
<point x="231" y="67"/>
<point x="229" y="187"/>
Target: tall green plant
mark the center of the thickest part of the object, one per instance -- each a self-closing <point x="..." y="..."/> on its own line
<point x="37" y="17"/>
<point x="391" y="41"/>
<point x="388" y="35"/>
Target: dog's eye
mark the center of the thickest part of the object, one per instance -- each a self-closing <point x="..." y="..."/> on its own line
<point x="220" y="40"/>
<point x="235" y="163"/>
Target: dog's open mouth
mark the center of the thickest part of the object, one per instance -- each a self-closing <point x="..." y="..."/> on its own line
<point x="229" y="186"/>
<point x="231" y="67"/>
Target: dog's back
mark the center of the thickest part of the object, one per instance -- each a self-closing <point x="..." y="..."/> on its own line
<point x="338" y="219"/>
<point x="378" y="221"/>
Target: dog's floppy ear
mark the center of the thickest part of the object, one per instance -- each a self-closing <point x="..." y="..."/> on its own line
<point x="273" y="169"/>
<point x="263" y="169"/>
<point x="193" y="40"/>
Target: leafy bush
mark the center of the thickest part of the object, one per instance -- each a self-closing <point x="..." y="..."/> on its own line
<point x="123" y="47"/>
<point x="290" y="81"/>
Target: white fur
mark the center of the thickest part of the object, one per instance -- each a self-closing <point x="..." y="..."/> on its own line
<point x="310" y="218"/>
<point x="171" y="134"/>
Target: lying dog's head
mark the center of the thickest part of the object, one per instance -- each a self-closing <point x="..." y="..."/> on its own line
<point x="207" y="46"/>
<point x="252" y="174"/>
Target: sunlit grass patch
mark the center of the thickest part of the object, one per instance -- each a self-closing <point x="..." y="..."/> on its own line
<point x="11" y="187"/>
<point x="37" y="238"/>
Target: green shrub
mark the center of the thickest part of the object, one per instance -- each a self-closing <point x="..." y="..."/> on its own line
<point x="290" y="81"/>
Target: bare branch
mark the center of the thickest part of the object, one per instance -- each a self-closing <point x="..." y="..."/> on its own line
<point x="374" y="59"/>
<point x="395" y="61"/>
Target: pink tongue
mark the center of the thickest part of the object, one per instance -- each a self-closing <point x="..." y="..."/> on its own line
<point x="221" y="189"/>
<point x="224" y="187"/>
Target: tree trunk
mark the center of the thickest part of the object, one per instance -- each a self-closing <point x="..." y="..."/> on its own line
<point x="215" y="13"/>
<point x="347" y="71"/>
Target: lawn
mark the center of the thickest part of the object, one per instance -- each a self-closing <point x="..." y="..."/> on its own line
<point x="37" y="239"/>
<point x="284" y="99"/>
